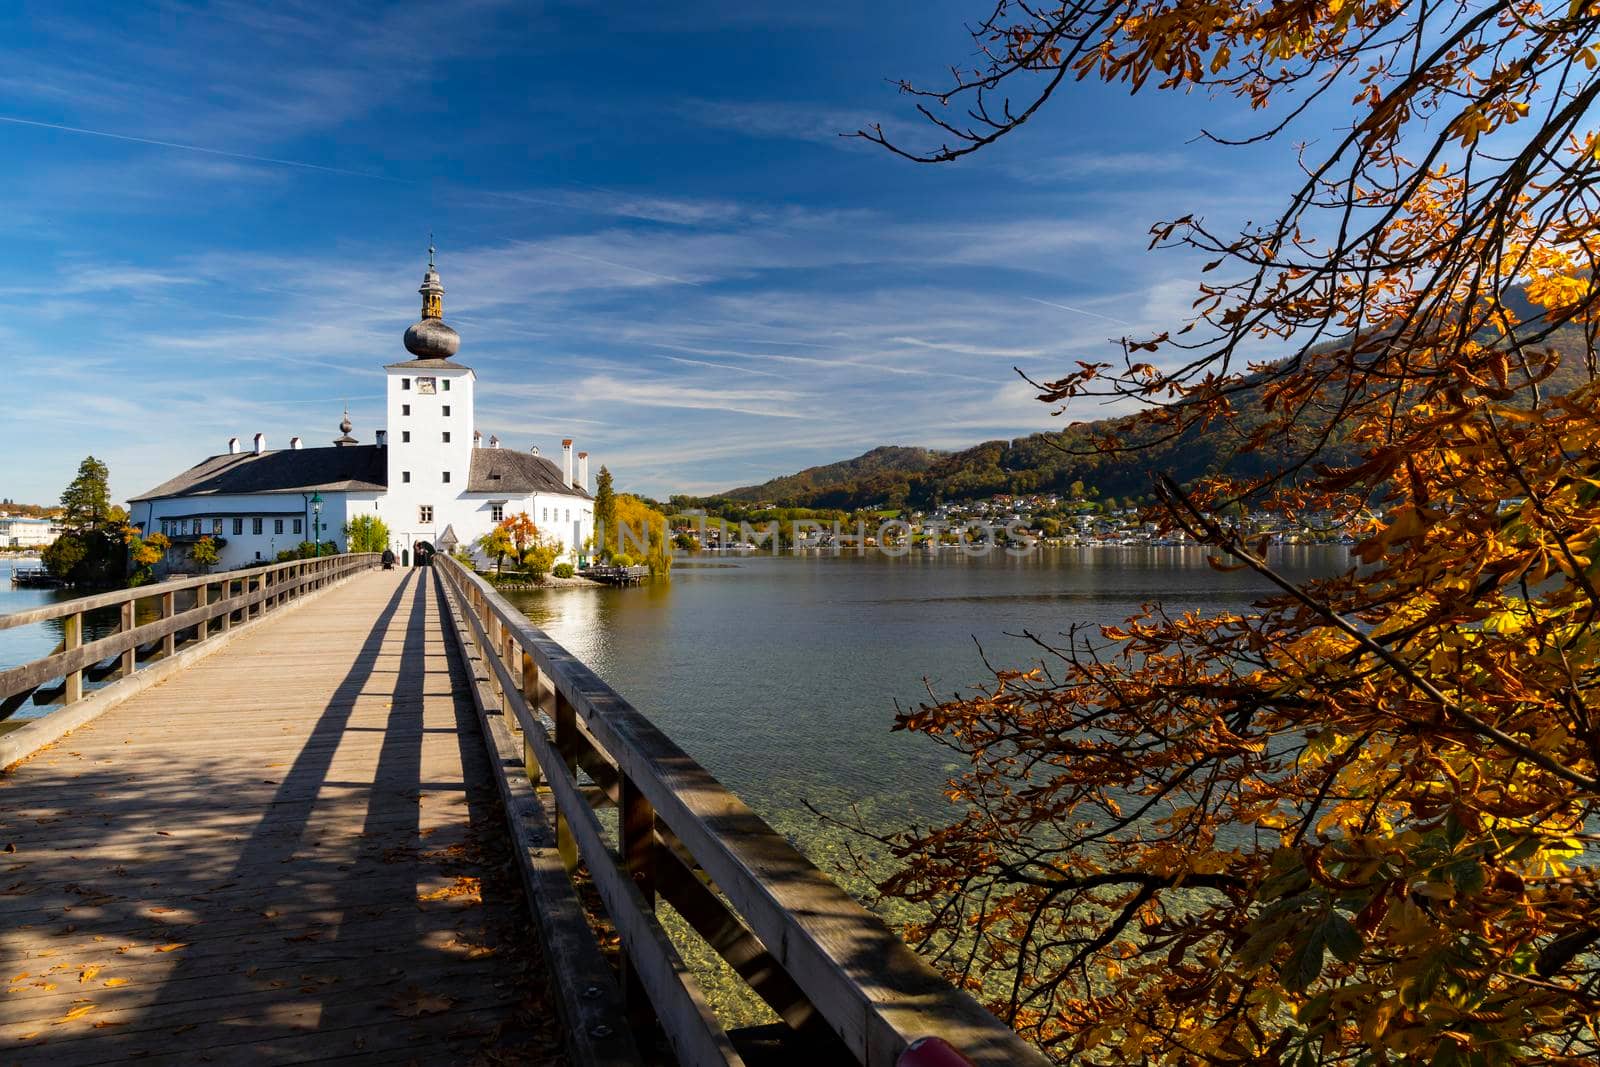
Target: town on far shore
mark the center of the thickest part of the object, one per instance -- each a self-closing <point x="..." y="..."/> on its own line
<point x="1075" y="519"/>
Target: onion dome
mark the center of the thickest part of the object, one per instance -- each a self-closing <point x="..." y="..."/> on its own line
<point x="345" y="426"/>
<point x="431" y="338"/>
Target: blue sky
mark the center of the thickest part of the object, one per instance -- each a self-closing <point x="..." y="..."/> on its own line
<point x="651" y="237"/>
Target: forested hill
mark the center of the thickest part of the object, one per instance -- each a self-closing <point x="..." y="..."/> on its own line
<point x="880" y="471"/>
<point x="1047" y="462"/>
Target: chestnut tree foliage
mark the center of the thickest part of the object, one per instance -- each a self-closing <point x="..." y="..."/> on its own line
<point x="1355" y="824"/>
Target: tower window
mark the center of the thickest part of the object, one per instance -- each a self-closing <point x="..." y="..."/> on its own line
<point x="497" y="512"/>
<point x="447" y="411"/>
<point x="405" y="437"/>
<point x="405" y="383"/>
<point x="447" y="389"/>
<point x="447" y="476"/>
<point x="424" y="512"/>
<point x="405" y="476"/>
<point x="405" y="409"/>
<point x="447" y="437"/>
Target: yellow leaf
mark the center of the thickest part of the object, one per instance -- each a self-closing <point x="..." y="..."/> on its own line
<point x="76" y="1013"/>
<point x="114" y="982"/>
<point x="88" y="973"/>
<point x="172" y="947"/>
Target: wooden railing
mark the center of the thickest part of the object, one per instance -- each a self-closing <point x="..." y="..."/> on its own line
<point x="830" y="969"/>
<point x="220" y="602"/>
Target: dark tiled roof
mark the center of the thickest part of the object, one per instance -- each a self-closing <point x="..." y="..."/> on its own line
<point x="426" y="364"/>
<point x="503" y="470"/>
<point x="356" y="467"/>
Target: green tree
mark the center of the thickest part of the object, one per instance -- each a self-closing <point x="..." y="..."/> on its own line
<point x="86" y="502"/>
<point x="64" y="556"/>
<point x="366" y="533"/>
<point x="605" y="513"/>
<point x="204" y="554"/>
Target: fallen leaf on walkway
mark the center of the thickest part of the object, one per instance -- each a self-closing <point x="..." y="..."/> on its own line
<point x="465" y="887"/>
<point x="19" y="978"/>
<point x="172" y="947"/>
<point x="76" y="1013"/>
<point x="163" y="833"/>
<point x="416" y="1002"/>
<point x="10" y="847"/>
<point x="87" y="973"/>
<point x="114" y="982"/>
<point x="103" y="1023"/>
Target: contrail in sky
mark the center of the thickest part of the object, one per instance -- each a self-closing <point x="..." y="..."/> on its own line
<point x="1080" y="311"/>
<point x="204" y="151"/>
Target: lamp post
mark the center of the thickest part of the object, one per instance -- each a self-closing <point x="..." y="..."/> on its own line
<point x="316" y="521"/>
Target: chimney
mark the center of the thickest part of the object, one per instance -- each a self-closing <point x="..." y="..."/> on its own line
<point x="233" y="446"/>
<point x="583" y="471"/>
<point x="294" y="444"/>
<point x="494" y="442"/>
<point x="261" y="443"/>
<point x="566" y="461"/>
<point x="383" y="438"/>
<point x="477" y="438"/>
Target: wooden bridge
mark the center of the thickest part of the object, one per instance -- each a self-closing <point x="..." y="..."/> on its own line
<point x="321" y="811"/>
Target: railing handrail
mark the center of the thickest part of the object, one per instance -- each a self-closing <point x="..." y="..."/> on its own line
<point x="260" y="588"/>
<point x="875" y="994"/>
<point x="114" y="597"/>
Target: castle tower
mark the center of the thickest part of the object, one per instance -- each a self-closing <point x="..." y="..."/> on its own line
<point x="430" y="424"/>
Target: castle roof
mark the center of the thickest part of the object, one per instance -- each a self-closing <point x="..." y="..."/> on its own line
<point x="502" y="470"/>
<point x="353" y="468"/>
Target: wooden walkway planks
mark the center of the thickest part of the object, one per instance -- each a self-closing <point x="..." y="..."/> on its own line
<point x="293" y="851"/>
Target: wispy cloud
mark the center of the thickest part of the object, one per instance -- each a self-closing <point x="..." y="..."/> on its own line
<point x="16" y="121"/>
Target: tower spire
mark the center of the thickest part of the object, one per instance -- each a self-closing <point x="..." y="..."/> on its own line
<point x="432" y="292"/>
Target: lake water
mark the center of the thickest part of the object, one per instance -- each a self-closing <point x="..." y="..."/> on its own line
<point x="782" y="674"/>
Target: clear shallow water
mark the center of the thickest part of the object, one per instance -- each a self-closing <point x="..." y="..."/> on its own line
<point x="781" y="674"/>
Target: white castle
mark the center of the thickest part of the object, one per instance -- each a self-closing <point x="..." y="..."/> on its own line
<point x="430" y="477"/>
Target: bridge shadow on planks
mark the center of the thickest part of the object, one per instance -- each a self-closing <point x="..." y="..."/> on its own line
<point x="286" y="870"/>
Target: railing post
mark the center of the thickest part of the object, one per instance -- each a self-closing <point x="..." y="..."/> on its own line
<point x="227" y="594"/>
<point x="508" y="656"/>
<point x="169" y="608"/>
<point x="71" y="638"/>
<point x="566" y="744"/>
<point x="130" y="655"/>
<point x="203" y="628"/>
<point x="530" y="696"/>
<point x="636" y="824"/>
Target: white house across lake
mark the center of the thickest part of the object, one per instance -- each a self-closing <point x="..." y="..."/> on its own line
<point x="430" y="475"/>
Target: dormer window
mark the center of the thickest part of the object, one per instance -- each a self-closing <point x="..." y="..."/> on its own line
<point x="405" y="383"/>
<point x="446" y="384"/>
